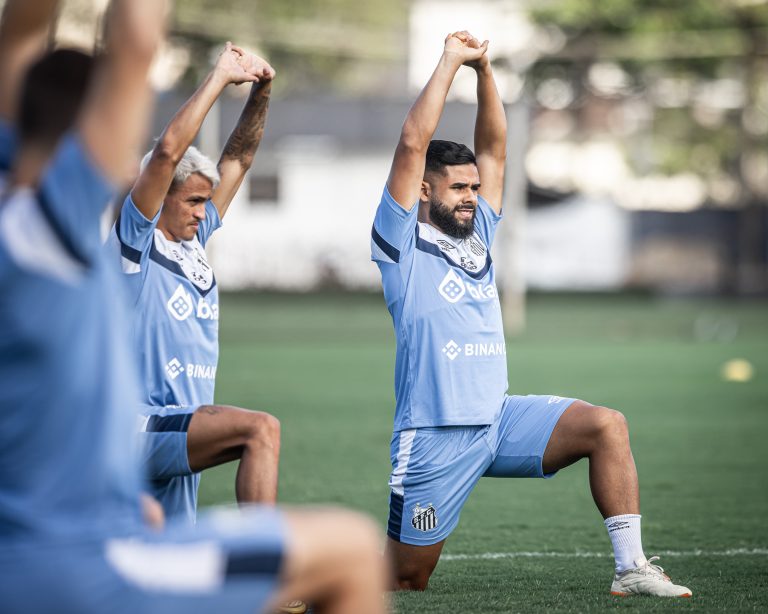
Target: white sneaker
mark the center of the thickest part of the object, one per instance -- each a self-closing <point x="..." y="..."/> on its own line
<point x="293" y="607"/>
<point x="647" y="579"/>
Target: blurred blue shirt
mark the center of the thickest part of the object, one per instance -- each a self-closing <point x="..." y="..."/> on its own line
<point x="68" y="466"/>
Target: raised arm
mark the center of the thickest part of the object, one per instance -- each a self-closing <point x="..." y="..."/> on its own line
<point x="490" y="134"/>
<point x="155" y="179"/>
<point x="114" y="118"/>
<point x="407" y="172"/>
<point x="241" y="146"/>
<point x="24" y="31"/>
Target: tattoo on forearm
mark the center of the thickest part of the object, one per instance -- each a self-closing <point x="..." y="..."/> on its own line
<point x="246" y="136"/>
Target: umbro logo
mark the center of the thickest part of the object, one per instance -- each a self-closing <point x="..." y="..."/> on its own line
<point x="445" y="246"/>
<point x="174" y="368"/>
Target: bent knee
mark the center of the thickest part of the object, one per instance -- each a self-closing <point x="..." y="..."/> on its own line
<point x="610" y="423"/>
<point x="362" y="531"/>
<point x="262" y="427"/>
<point x="412" y="582"/>
<point x="412" y="575"/>
<point x="322" y="527"/>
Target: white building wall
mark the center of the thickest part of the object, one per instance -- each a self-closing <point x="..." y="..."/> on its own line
<point x="319" y="232"/>
<point x="579" y="244"/>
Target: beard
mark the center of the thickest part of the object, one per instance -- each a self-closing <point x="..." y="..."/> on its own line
<point x="445" y="219"/>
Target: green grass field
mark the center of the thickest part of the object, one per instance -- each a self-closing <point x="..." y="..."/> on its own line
<point x="324" y="365"/>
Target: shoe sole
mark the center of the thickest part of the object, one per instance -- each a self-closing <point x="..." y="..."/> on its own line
<point x="620" y="594"/>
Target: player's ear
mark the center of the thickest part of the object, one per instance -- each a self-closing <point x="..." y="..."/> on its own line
<point x="426" y="191"/>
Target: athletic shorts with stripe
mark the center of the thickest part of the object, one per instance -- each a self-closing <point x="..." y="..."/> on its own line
<point x="163" y="444"/>
<point x="434" y="469"/>
<point x="230" y="562"/>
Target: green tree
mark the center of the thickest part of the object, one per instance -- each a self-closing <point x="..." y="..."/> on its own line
<point x="701" y="66"/>
<point x="317" y="45"/>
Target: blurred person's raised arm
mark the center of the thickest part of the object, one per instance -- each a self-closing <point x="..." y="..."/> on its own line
<point x="241" y="146"/>
<point x="24" y="32"/>
<point x="155" y="179"/>
<point x="407" y="172"/>
<point x="114" y="120"/>
<point x="490" y="134"/>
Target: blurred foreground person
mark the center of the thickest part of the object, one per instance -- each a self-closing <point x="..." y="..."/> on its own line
<point x="454" y="422"/>
<point x="175" y="205"/>
<point x="72" y="537"/>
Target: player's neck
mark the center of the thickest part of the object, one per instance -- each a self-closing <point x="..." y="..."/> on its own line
<point x="167" y="233"/>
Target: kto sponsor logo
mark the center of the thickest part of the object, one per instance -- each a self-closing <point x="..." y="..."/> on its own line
<point x="453" y="350"/>
<point x="453" y="288"/>
<point x="181" y="305"/>
<point x="174" y="369"/>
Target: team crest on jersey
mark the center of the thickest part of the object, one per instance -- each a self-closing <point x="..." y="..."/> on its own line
<point x="424" y="518"/>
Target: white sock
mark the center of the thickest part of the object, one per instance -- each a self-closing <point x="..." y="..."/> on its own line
<point x="624" y="532"/>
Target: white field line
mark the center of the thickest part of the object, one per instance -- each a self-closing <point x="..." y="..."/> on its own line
<point x="598" y="555"/>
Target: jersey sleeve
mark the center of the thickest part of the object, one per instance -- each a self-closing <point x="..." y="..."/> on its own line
<point x="73" y="193"/>
<point x="134" y="233"/>
<point x="7" y="145"/>
<point x="393" y="230"/>
<point x="210" y="224"/>
<point x="486" y="221"/>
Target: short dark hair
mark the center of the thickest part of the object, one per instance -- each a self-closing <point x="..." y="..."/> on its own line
<point x="447" y="153"/>
<point x="52" y="95"/>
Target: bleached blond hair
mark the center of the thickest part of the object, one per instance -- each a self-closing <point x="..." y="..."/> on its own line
<point x="193" y="161"/>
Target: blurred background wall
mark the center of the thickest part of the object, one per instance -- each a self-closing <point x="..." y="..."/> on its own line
<point x="638" y="134"/>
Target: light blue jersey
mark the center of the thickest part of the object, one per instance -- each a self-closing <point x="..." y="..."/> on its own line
<point x="175" y="299"/>
<point x="67" y="461"/>
<point x="175" y="332"/>
<point x="450" y="366"/>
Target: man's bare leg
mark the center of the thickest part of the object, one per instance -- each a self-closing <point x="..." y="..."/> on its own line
<point x="601" y="435"/>
<point x="583" y="431"/>
<point x="413" y="565"/>
<point x="333" y="561"/>
<point x="220" y="434"/>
